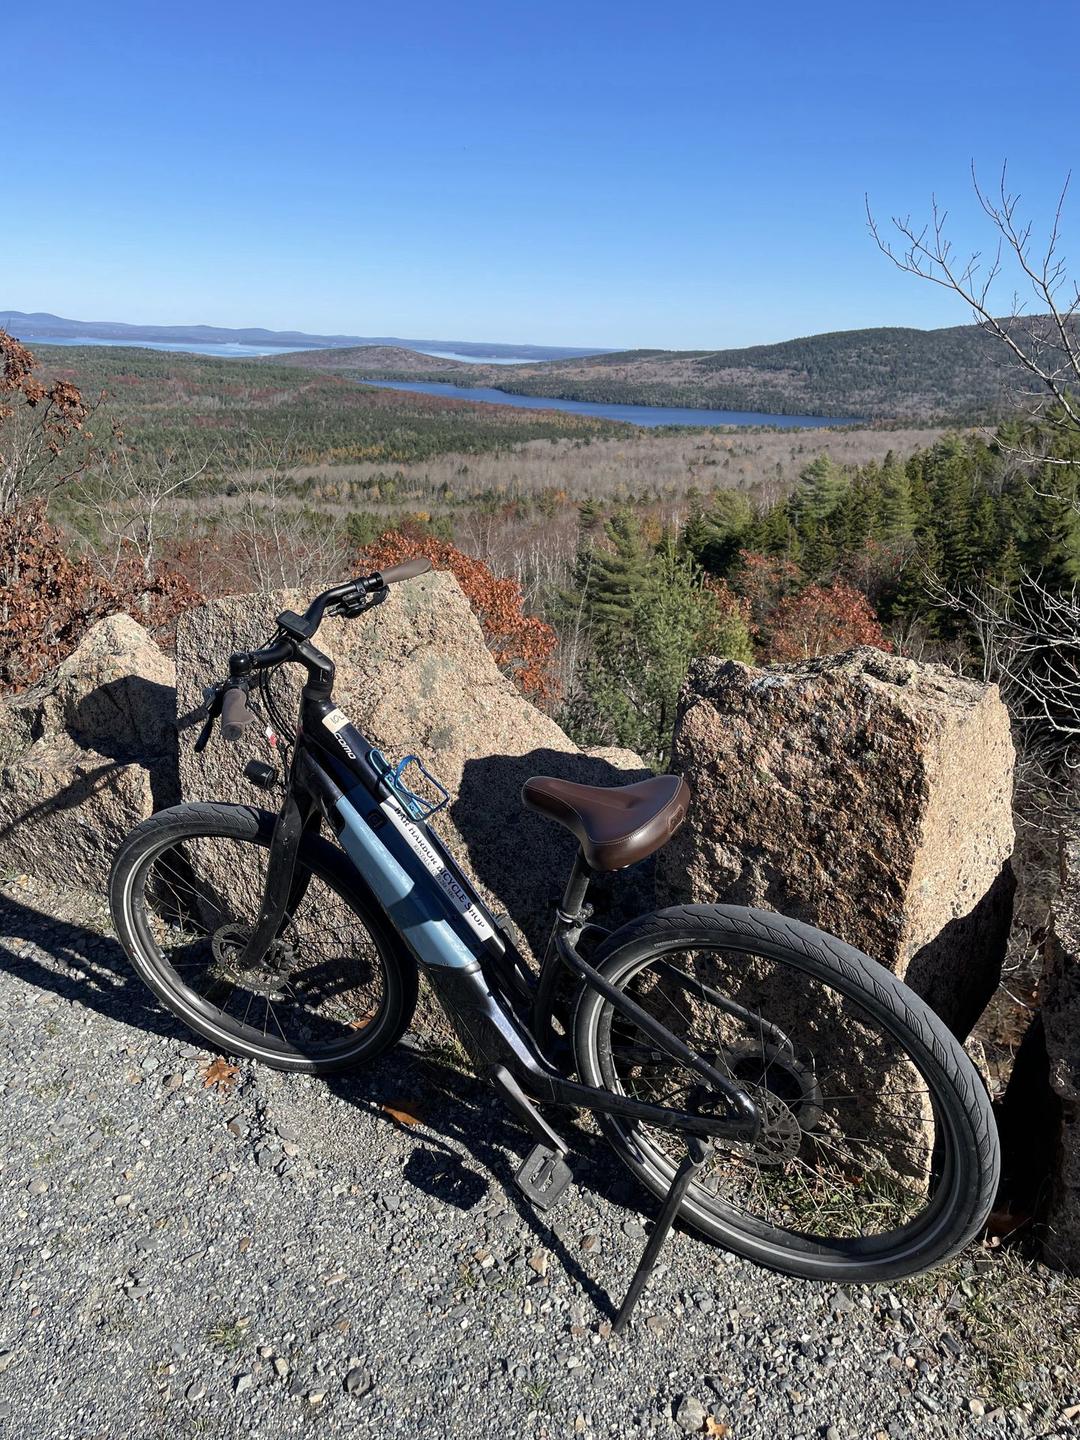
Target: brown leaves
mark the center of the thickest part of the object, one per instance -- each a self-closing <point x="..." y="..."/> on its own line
<point x="405" y="1112"/>
<point x="49" y="597"/>
<point x="63" y="408"/>
<point x="220" y="1075"/>
<point x="790" y="622"/>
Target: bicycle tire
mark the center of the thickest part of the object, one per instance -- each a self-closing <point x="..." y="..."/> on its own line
<point x="973" y="1159"/>
<point x="316" y="858"/>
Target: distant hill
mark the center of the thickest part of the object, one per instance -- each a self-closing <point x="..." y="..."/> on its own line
<point x="889" y="373"/>
<point x="374" y="360"/>
<point x="42" y="326"/>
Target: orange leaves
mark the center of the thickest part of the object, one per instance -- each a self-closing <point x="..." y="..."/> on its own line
<point x="522" y="645"/>
<point x="791" y="621"/>
<point x="822" y="620"/>
<point x="403" y="1111"/>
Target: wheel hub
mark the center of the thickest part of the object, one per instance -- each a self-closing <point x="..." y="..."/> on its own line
<point x="266" y="976"/>
<point x="786" y="1093"/>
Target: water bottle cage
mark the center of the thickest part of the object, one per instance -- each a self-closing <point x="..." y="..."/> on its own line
<point x="420" y="807"/>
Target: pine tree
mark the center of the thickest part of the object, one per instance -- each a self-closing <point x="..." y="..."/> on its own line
<point x="819" y="490"/>
<point x="895" y="511"/>
<point x="624" y="576"/>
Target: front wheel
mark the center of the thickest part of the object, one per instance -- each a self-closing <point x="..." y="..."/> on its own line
<point x="878" y="1154"/>
<point x="334" y="990"/>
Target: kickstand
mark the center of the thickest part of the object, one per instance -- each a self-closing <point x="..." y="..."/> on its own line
<point x="698" y="1152"/>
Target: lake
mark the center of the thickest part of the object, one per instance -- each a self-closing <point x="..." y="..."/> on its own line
<point x="229" y="351"/>
<point x="233" y="351"/>
<point x="648" y="415"/>
<point x="476" y="359"/>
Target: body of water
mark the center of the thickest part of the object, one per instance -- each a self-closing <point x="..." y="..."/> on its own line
<point x="229" y="351"/>
<point x="234" y="351"/>
<point x="649" y="415"/>
<point x="478" y="359"/>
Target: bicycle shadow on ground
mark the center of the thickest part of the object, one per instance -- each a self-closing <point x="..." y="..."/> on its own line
<point x="455" y="1113"/>
<point x="460" y="1119"/>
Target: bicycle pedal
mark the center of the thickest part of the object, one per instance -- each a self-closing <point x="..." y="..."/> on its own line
<point x="543" y="1176"/>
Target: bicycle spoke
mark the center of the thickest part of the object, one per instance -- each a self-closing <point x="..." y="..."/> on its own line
<point x="319" y="983"/>
<point x="849" y="1158"/>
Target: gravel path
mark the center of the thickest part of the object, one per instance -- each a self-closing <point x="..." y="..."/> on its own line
<point x="282" y="1258"/>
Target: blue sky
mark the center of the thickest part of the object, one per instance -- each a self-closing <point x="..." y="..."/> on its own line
<point x="601" y="172"/>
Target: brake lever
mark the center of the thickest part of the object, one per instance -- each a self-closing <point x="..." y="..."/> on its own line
<point x="212" y="699"/>
<point x="350" y="606"/>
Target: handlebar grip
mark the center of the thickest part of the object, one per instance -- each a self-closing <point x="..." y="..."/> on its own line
<point x="235" y="715"/>
<point x="406" y="570"/>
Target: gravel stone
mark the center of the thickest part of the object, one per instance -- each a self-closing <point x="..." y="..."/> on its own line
<point x="207" y="1288"/>
<point x="690" y="1413"/>
<point x="358" y="1381"/>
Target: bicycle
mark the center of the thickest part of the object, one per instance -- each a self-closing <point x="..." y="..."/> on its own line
<point x="780" y="1092"/>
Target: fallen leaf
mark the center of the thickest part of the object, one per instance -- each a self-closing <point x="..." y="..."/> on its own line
<point x="405" y="1112"/>
<point x="1000" y="1223"/>
<point x="220" y="1075"/>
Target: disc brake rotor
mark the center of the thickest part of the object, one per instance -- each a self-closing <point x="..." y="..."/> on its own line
<point x="786" y="1093"/>
<point x="266" y="977"/>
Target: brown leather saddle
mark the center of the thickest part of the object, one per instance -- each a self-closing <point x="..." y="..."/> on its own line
<point x="617" y="825"/>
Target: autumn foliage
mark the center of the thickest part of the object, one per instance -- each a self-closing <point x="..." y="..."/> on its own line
<point x="59" y="414"/>
<point x="49" y="597"/>
<point x="823" y="620"/>
<point x="793" y="621"/>
<point x="522" y="645"/>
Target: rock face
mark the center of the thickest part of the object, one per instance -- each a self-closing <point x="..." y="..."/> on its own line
<point x="89" y="752"/>
<point x="416" y="676"/>
<point x="864" y="794"/>
<point x="1060" y="1016"/>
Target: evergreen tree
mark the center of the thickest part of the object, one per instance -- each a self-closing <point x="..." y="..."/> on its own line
<point x="622" y="577"/>
<point x="895" y="510"/>
<point x="819" y="490"/>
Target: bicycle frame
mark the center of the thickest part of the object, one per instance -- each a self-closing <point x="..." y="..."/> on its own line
<point x="500" y="1008"/>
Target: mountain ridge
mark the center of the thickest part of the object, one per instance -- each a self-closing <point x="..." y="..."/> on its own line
<point x="954" y="373"/>
<point x="43" y="326"/>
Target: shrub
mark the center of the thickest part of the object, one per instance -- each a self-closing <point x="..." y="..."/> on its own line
<point x="49" y="597"/>
<point x="822" y="620"/>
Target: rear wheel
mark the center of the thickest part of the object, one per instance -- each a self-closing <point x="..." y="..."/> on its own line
<point x="878" y="1155"/>
<point x="335" y="988"/>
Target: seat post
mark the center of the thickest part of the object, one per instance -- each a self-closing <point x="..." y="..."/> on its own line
<point x="569" y="920"/>
<point x="577" y="887"/>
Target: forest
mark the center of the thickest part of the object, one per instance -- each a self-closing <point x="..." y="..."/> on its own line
<point x="956" y="374"/>
<point x="636" y="550"/>
<point x="191" y="403"/>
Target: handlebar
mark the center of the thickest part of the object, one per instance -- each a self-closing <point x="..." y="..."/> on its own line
<point x="406" y="570"/>
<point x="229" y="699"/>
